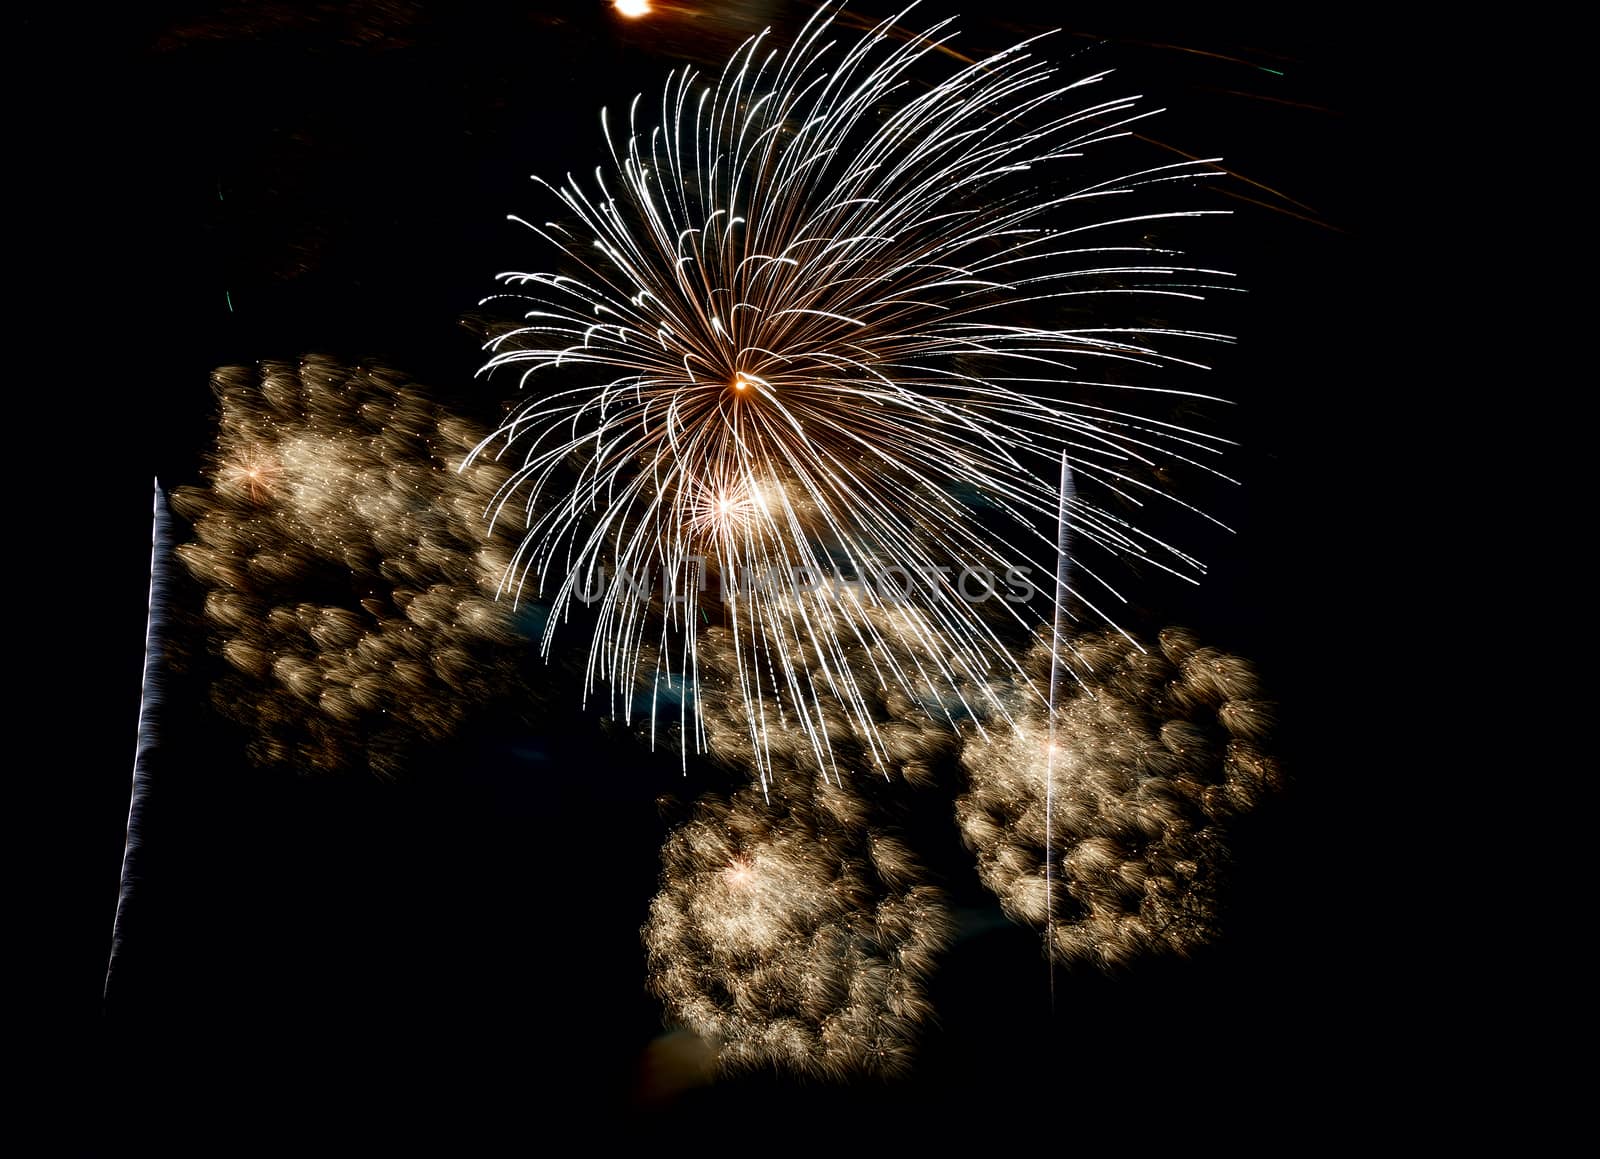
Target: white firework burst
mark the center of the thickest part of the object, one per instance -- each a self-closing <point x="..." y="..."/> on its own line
<point x="829" y="318"/>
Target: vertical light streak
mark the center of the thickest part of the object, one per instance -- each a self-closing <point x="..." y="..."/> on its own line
<point x="145" y="740"/>
<point x="1063" y="575"/>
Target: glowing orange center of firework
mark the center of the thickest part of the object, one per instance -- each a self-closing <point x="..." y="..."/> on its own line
<point x="253" y="474"/>
<point x="740" y="874"/>
<point x="633" y="8"/>
<point x="741" y="383"/>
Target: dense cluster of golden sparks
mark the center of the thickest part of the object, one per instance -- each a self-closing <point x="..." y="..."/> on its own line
<point x="349" y="587"/>
<point x="790" y="931"/>
<point x="1154" y="752"/>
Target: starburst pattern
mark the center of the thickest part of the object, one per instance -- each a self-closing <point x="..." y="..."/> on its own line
<point x="836" y="311"/>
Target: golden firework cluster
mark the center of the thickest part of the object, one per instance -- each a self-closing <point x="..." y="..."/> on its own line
<point x="349" y="585"/>
<point x="1153" y="753"/>
<point x="791" y="931"/>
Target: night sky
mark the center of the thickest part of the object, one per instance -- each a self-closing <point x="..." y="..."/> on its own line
<point x="458" y="953"/>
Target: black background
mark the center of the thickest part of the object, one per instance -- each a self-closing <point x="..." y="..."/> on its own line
<point x="460" y="953"/>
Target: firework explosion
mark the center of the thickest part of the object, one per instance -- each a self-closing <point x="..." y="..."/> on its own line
<point x="790" y="932"/>
<point x="817" y="338"/>
<point x="348" y="586"/>
<point x="1154" y="752"/>
<point x="830" y="316"/>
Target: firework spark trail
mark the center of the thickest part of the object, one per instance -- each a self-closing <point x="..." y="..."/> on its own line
<point x="815" y="282"/>
<point x="903" y="721"/>
<point x="149" y="705"/>
<point x="1157" y="751"/>
<point x="1058" y="614"/>
<point x="348" y="586"/>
